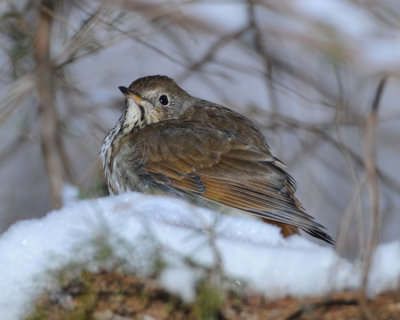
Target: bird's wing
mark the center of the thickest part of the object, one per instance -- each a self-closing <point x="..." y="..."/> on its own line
<point x="208" y="163"/>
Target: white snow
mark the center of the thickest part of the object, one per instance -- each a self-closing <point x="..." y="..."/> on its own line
<point x="135" y="225"/>
<point x="69" y="194"/>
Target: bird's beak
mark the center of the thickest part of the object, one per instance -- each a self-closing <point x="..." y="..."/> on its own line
<point x="129" y="94"/>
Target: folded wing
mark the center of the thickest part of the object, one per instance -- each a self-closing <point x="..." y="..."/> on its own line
<point x="212" y="165"/>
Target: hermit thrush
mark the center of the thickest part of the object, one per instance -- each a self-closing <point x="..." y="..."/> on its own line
<point x="168" y="140"/>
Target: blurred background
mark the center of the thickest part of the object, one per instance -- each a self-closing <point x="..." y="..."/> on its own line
<point x="320" y="78"/>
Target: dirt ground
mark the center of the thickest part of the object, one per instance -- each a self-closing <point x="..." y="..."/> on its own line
<point x="115" y="296"/>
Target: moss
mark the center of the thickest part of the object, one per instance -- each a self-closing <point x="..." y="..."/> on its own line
<point x="50" y="306"/>
<point x="88" y="294"/>
<point x="208" y="303"/>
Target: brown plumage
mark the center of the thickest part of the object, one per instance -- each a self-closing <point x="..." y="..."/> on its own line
<point x="171" y="141"/>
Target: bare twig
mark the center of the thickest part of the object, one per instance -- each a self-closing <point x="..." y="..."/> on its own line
<point x="212" y="51"/>
<point x="262" y="52"/>
<point x="49" y="117"/>
<point x="321" y="131"/>
<point x="11" y="149"/>
<point x="372" y="178"/>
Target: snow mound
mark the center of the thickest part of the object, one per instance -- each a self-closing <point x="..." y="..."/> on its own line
<point x="135" y="225"/>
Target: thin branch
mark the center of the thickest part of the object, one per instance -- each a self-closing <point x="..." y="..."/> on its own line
<point x="10" y="149"/>
<point x="378" y="96"/>
<point x="292" y="124"/>
<point x="372" y="178"/>
<point x="212" y="51"/>
<point x="268" y="65"/>
<point x="48" y="113"/>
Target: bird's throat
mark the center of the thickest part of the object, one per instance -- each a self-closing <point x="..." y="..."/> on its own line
<point x="133" y="117"/>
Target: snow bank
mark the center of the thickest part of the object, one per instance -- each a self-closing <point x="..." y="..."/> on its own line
<point x="135" y="225"/>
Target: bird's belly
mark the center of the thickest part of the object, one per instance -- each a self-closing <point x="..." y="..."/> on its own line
<point x="123" y="177"/>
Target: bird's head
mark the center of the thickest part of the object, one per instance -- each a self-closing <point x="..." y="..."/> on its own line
<point x="153" y="99"/>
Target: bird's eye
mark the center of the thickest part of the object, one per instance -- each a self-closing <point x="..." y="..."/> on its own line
<point x="163" y="99"/>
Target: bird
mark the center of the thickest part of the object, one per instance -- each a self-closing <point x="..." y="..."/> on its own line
<point x="172" y="142"/>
